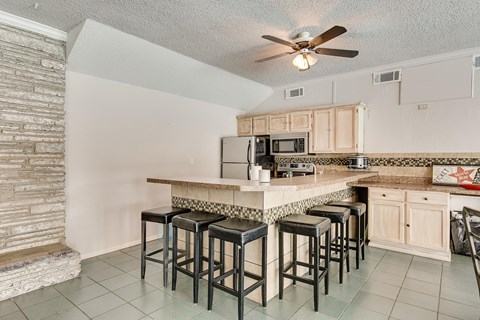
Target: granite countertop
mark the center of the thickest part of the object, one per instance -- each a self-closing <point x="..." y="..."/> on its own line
<point x="280" y="184"/>
<point x="410" y="183"/>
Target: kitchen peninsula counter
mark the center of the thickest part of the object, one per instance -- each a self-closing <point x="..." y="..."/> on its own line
<point x="265" y="202"/>
<point x="279" y="184"/>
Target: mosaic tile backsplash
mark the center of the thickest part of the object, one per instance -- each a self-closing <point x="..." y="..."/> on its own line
<point x="390" y="160"/>
<point x="269" y="216"/>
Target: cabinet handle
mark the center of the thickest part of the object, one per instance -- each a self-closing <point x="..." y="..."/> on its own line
<point x="408" y="225"/>
<point x="425" y="198"/>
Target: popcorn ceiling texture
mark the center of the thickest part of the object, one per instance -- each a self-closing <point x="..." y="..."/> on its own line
<point x="227" y="34"/>
<point x="32" y="168"/>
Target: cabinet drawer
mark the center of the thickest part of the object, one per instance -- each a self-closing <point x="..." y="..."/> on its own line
<point x="386" y="194"/>
<point x="438" y="198"/>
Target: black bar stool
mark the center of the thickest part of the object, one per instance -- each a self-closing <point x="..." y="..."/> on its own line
<point x="164" y="216"/>
<point x="196" y="222"/>
<point x="358" y="210"/>
<point x="312" y="227"/>
<point x="340" y="244"/>
<point x="239" y="232"/>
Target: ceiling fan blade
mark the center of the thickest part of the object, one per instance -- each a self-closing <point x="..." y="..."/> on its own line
<point x="275" y="56"/>
<point x="281" y="41"/>
<point x="328" y="35"/>
<point x="337" y="52"/>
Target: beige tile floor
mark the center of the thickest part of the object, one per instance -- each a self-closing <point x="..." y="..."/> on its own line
<point x="388" y="285"/>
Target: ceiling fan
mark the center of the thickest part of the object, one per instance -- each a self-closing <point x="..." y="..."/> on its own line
<point x="306" y="45"/>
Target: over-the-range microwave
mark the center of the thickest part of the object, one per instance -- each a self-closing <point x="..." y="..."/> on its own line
<point x="295" y="143"/>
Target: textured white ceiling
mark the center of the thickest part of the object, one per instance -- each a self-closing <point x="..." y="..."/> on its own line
<point x="227" y="34"/>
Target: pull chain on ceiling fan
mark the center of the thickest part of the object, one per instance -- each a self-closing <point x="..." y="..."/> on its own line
<point x="306" y="45"/>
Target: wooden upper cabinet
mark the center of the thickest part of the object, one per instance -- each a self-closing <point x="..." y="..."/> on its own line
<point x="345" y="129"/>
<point x="338" y="129"/>
<point x="301" y="121"/>
<point x="245" y="127"/>
<point x="260" y="125"/>
<point x="321" y="138"/>
<point x="279" y="123"/>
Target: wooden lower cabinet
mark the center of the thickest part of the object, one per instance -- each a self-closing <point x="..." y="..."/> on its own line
<point x="416" y="222"/>
<point x="388" y="221"/>
<point x="427" y="226"/>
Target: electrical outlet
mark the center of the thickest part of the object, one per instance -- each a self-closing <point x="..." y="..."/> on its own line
<point x="423" y="106"/>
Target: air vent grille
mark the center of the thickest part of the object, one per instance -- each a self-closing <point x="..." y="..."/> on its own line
<point x="294" y="93"/>
<point x="387" y="77"/>
<point x="476" y="62"/>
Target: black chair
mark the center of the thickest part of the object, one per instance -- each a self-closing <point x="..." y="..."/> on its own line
<point x="473" y="238"/>
<point x="195" y="222"/>
<point x="164" y="216"/>
<point x="312" y="227"/>
<point x="239" y="232"/>
<point x="340" y="244"/>
<point x="358" y="210"/>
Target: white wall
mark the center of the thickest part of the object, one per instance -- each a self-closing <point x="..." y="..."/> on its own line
<point x="446" y="126"/>
<point x="117" y="136"/>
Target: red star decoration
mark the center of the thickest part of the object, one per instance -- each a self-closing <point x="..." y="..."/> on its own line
<point x="462" y="175"/>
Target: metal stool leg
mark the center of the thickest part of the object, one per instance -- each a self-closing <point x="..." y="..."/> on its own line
<point x="165" y="254"/>
<point x="187" y="247"/>
<point x="143" y="250"/>
<point x="211" y="253"/>
<point x="363" y="234"/>
<point x="294" y="252"/>
<point x="347" y="249"/>
<point x="235" y="267"/>
<point x="310" y="253"/>
<point x="342" y="252"/>
<point x="241" y="278"/>
<point x="316" y="255"/>
<point x="327" y="260"/>
<point x="174" y="258"/>
<point x="280" y="265"/>
<point x="264" y="271"/>
<point x="222" y="259"/>
<point x="357" y="241"/>
<point x="196" y="266"/>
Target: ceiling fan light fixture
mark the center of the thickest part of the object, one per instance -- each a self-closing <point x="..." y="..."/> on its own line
<point x="304" y="61"/>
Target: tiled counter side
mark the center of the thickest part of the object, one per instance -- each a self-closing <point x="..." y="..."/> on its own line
<point x="262" y="202"/>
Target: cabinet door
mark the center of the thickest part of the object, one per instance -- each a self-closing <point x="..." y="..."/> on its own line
<point x="301" y="121"/>
<point x="427" y="226"/>
<point x="386" y="221"/>
<point x="279" y="123"/>
<point x="244" y="127"/>
<point x="321" y="139"/>
<point x="260" y="125"/>
<point x="346" y="129"/>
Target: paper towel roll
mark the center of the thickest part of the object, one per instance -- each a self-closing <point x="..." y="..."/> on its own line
<point x="254" y="172"/>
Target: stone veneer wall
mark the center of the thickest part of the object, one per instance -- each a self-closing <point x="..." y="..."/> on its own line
<point x="32" y="140"/>
<point x="390" y="164"/>
<point x="32" y="164"/>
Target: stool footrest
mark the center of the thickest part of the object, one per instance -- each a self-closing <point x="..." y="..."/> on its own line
<point x="216" y="282"/>
<point x="182" y="254"/>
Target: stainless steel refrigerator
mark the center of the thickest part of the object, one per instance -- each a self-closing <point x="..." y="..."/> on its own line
<point x="240" y="153"/>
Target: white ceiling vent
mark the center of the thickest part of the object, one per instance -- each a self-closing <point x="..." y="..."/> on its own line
<point x="294" y="93"/>
<point x="387" y="76"/>
<point x="476" y="62"/>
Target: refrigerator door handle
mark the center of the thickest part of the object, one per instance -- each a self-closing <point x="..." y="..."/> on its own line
<point x="249" y="149"/>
